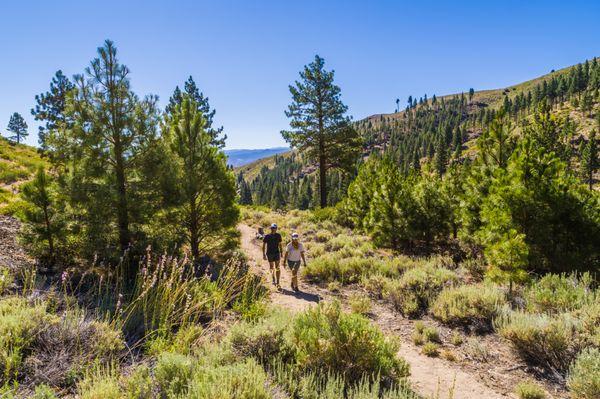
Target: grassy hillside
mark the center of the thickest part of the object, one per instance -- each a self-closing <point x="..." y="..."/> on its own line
<point x="18" y="162"/>
<point x="252" y="169"/>
<point x="492" y="98"/>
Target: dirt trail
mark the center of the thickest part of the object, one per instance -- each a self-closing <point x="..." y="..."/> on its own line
<point x="430" y="377"/>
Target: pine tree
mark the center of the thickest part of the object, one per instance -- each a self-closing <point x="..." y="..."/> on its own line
<point x="207" y="186"/>
<point x="441" y="156"/>
<point x="50" y="107"/>
<point x="319" y="125"/>
<point x="278" y="200"/>
<point x="18" y="127"/>
<point x="589" y="159"/>
<point x="203" y="105"/>
<point x="44" y="228"/>
<point x="113" y="130"/>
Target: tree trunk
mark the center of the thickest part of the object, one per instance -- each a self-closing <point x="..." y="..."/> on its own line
<point x="323" y="180"/>
<point x="122" y="207"/>
<point x="194" y="239"/>
<point x="49" y="236"/>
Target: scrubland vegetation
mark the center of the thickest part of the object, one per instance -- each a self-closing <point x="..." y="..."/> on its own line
<point x="475" y="222"/>
<point x="551" y="321"/>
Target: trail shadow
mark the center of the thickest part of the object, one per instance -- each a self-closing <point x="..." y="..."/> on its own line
<point x="305" y="296"/>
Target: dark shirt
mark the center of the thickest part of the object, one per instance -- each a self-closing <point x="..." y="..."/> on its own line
<point x="272" y="240"/>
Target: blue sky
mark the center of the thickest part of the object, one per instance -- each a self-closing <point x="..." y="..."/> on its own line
<point x="244" y="54"/>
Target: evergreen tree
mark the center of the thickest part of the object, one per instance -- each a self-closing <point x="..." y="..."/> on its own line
<point x="43" y="231"/>
<point x="589" y="159"/>
<point x="319" y="125"/>
<point x="207" y="187"/>
<point x="203" y="105"/>
<point x="18" y="127"/>
<point x="441" y="156"/>
<point x="278" y="200"/>
<point x="245" y="193"/>
<point x="112" y="131"/>
<point x="50" y="107"/>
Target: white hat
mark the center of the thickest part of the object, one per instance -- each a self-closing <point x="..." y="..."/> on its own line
<point x="274" y="226"/>
<point x="295" y="235"/>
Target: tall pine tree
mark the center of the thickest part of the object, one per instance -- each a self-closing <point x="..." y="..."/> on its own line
<point x="318" y="122"/>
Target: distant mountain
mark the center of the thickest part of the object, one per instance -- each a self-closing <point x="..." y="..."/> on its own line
<point x="242" y="157"/>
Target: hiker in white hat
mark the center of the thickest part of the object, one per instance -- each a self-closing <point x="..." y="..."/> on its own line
<point x="294" y="253"/>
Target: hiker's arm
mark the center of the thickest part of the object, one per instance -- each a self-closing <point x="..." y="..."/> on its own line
<point x="303" y="258"/>
<point x="285" y="255"/>
<point x="263" y="250"/>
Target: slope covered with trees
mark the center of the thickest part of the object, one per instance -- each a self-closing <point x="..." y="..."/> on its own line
<point x="434" y="132"/>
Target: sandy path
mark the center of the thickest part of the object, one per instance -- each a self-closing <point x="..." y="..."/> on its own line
<point x="430" y="377"/>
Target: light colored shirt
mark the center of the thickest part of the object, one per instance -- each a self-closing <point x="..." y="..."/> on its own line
<point x="294" y="254"/>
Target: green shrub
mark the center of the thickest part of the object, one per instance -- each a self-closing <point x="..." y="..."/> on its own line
<point x="44" y="392"/>
<point x="589" y="316"/>
<point x="6" y="279"/>
<point x="456" y="339"/>
<point x="20" y="322"/>
<point x="173" y="373"/>
<point x="431" y="334"/>
<point x="184" y="341"/>
<point x="419" y="326"/>
<point x="323" y="236"/>
<point x="263" y="340"/>
<point x="431" y="349"/>
<point x="376" y="285"/>
<point x="556" y="293"/>
<point x="100" y="385"/>
<point x="333" y="268"/>
<point x="138" y="384"/>
<point x="469" y="305"/>
<point x="412" y="293"/>
<point x="529" y="390"/>
<point x="584" y="375"/>
<point x="476" y="268"/>
<point x="241" y="380"/>
<point x="549" y="341"/>
<point x="476" y="350"/>
<point x="319" y="333"/>
<point x="417" y="338"/>
<point x="334" y="386"/>
<point x="360" y="304"/>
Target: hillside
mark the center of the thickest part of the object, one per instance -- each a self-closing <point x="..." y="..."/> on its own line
<point x="412" y="135"/>
<point x="18" y="162"/>
<point x="241" y="157"/>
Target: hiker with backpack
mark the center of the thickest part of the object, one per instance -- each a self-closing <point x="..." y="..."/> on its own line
<point x="272" y="253"/>
<point x="294" y="253"/>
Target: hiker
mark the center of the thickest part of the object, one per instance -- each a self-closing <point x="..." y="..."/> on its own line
<point x="294" y="252"/>
<point x="272" y="252"/>
<point x="260" y="233"/>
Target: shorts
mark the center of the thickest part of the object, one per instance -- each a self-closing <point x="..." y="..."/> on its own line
<point x="274" y="257"/>
<point x="293" y="264"/>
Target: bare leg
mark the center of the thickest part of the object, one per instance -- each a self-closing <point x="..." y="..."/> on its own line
<point x="272" y="267"/>
<point x="294" y="278"/>
<point x="277" y="272"/>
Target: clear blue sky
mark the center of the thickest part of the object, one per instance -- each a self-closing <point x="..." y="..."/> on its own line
<point x="243" y="54"/>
